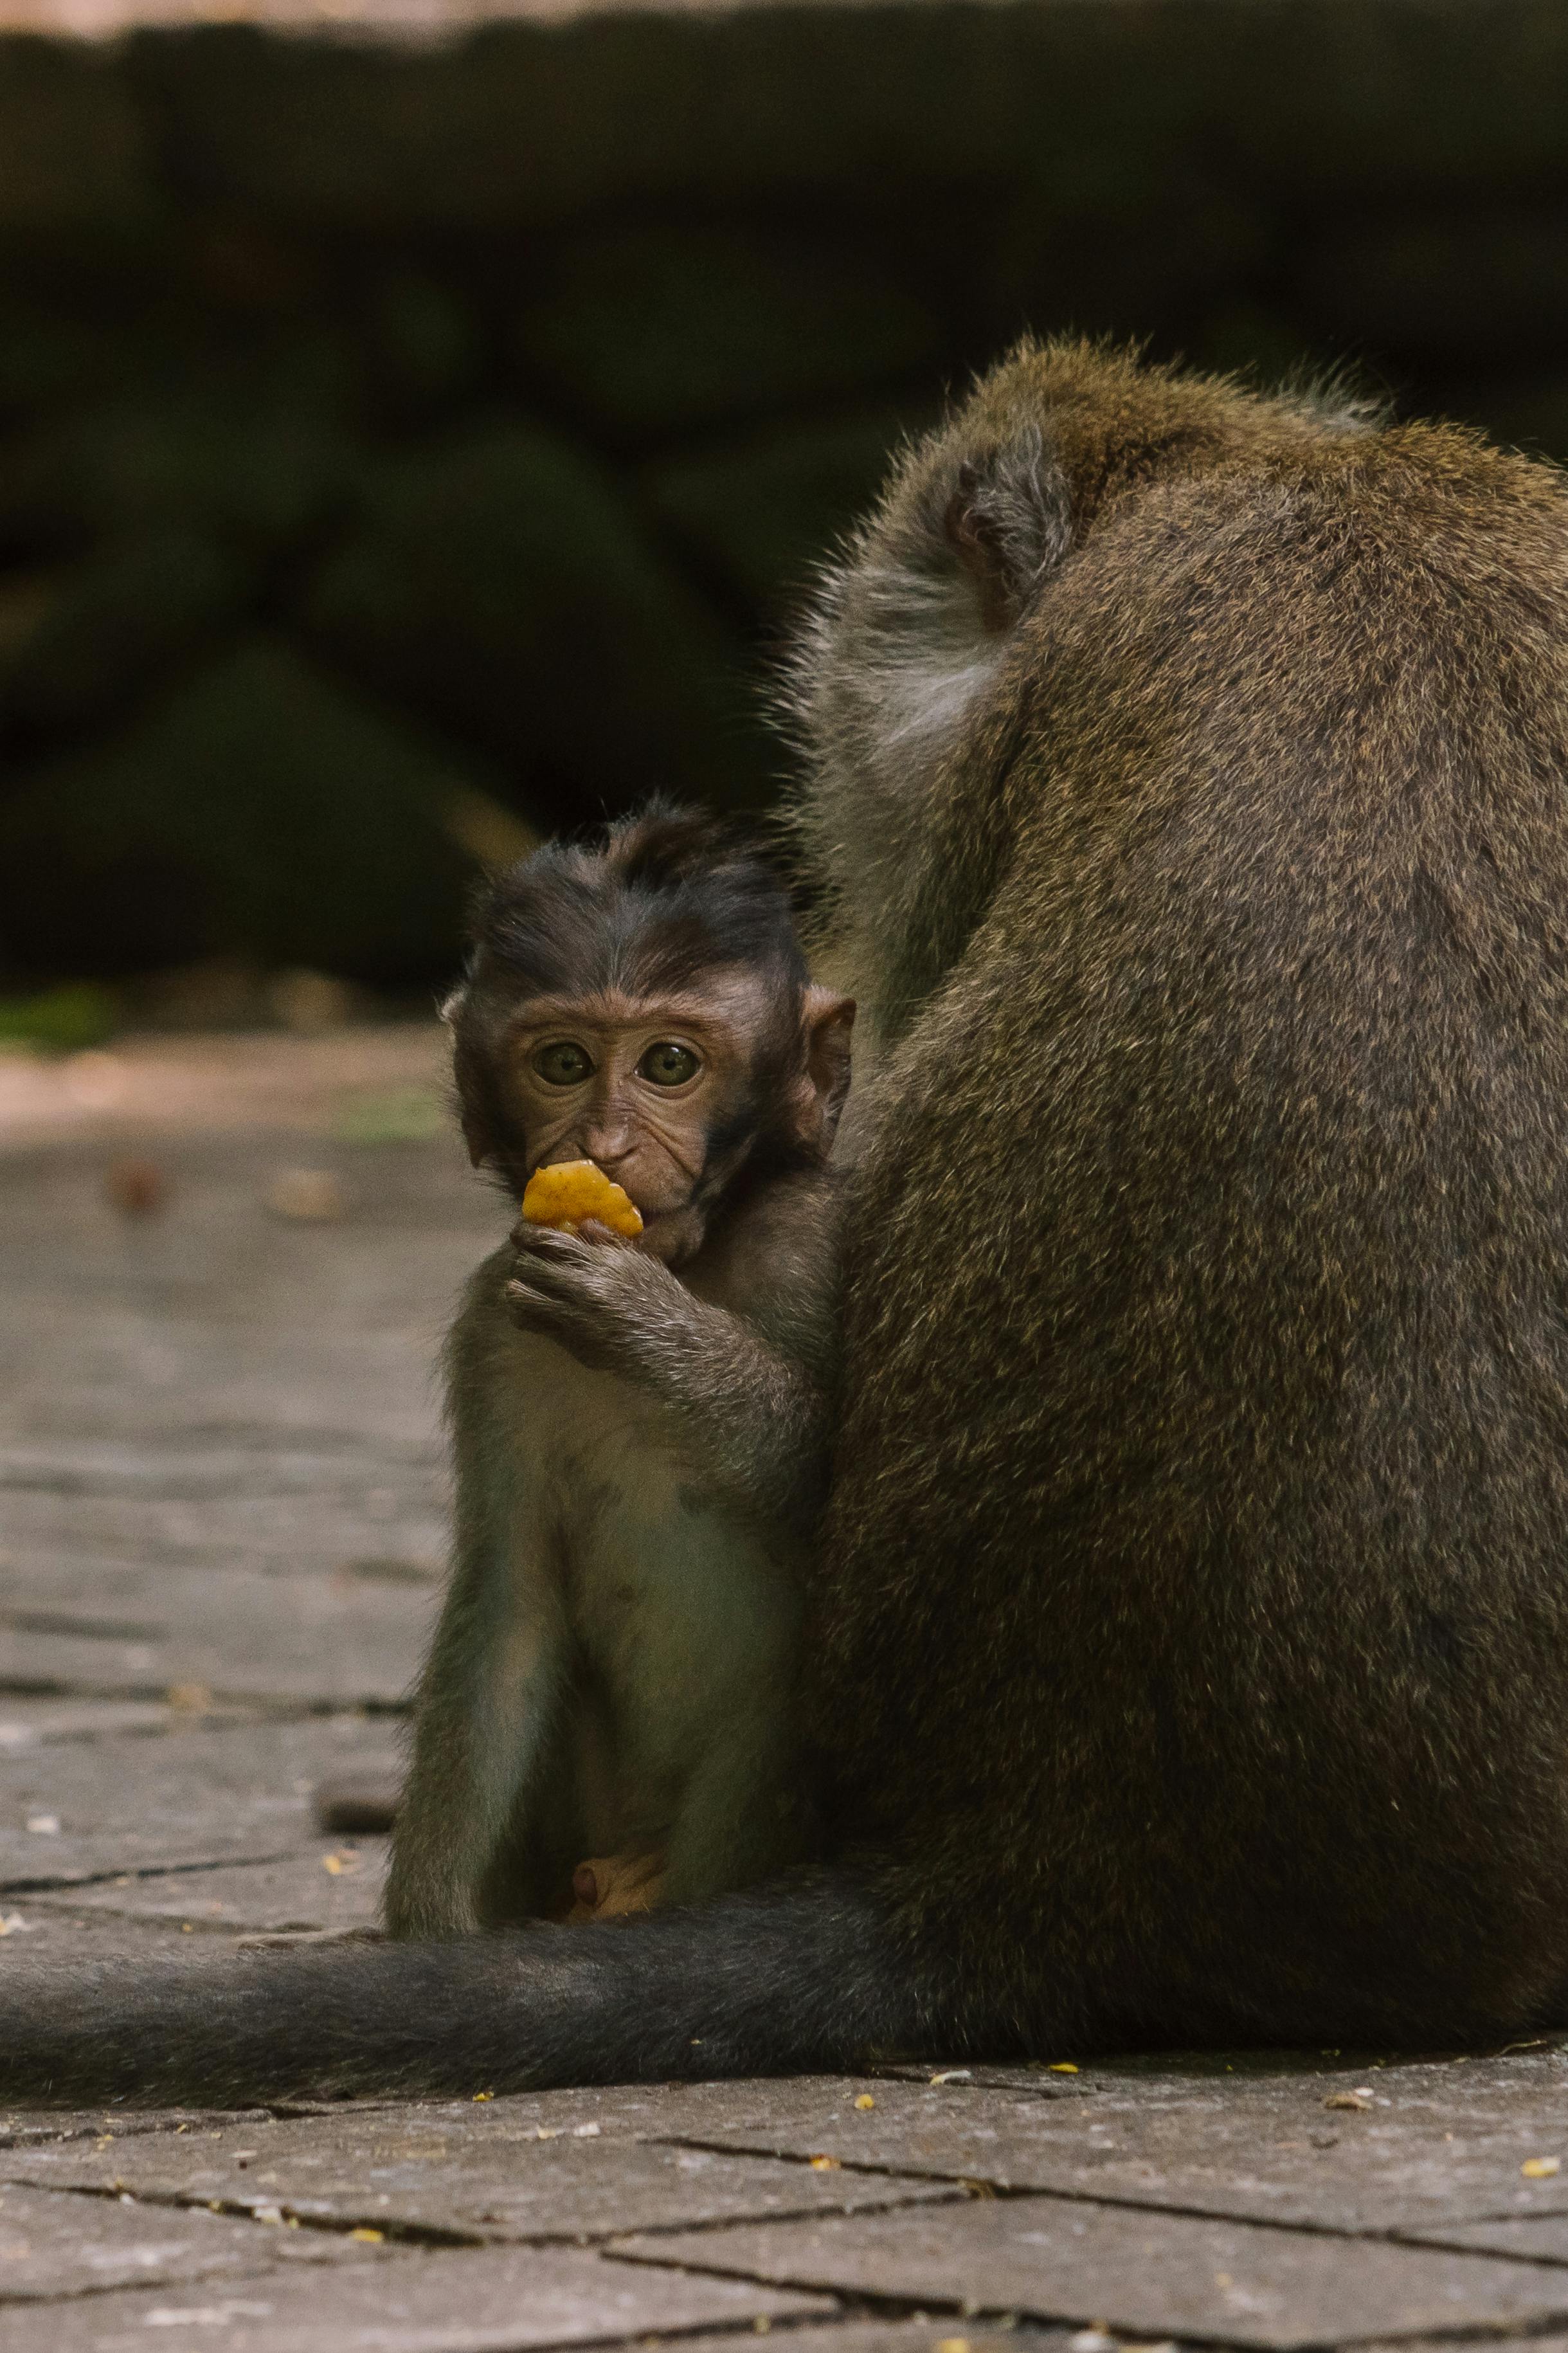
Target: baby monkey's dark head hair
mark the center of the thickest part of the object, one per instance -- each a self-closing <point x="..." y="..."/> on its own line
<point x="643" y="1001"/>
<point x="668" y="897"/>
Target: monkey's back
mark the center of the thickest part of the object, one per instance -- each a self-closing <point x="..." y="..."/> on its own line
<point x="1194" y="1603"/>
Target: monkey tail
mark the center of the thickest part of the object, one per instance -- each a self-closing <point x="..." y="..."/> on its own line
<point x="812" y="1975"/>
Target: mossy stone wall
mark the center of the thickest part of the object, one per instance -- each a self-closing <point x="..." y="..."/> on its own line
<point x="392" y="435"/>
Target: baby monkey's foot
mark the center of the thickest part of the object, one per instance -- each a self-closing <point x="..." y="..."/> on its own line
<point x="610" y="1885"/>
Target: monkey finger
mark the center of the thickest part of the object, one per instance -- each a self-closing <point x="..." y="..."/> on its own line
<point x="545" y="1241"/>
<point x="536" y="1301"/>
<point x="556" y="1276"/>
<point x="558" y="1273"/>
<point x="532" y="1307"/>
<point x="575" y="1323"/>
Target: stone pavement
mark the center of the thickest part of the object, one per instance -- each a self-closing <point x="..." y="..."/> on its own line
<point x="221" y="1531"/>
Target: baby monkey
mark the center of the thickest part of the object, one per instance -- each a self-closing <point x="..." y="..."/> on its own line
<point x="639" y="1427"/>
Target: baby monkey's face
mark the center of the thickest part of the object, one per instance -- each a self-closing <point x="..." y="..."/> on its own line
<point x="658" y="1093"/>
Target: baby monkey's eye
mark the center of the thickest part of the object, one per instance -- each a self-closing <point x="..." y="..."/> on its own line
<point x="562" y="1064"/>
<point x="668" y="1065"/>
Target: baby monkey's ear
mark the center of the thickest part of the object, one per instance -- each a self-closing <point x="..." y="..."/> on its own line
<point x="468" y="1070"/>
<point x="827" y="1020"/>
<point x="478" y="1139"/>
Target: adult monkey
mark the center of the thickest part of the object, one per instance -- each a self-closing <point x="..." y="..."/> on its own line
<point x="1191" y="1631"/>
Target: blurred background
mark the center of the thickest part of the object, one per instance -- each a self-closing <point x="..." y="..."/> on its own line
<point x="417" y="432"/>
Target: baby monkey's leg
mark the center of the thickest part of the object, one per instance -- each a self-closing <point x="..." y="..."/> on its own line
<point x="499" y="1657"/>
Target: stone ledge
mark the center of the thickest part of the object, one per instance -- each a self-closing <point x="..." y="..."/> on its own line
<point x="389" y="427"/>
<point x="519" y="122"/>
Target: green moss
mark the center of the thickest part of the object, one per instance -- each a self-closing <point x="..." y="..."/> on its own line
<point x="62" y="1019"/>
<point x="259" y="809"/>
<point x="653" y="330"/>
<point x="503" y="585"/>
<point x="764" y="512"/>
<point x="117" y="623"/>
<point x="394" y="1115"/>
<point x="254" y="456"/>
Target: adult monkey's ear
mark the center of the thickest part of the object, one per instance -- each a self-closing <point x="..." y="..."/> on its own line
<point x="1008" y="521"/>
<point x="827" y="1020"/>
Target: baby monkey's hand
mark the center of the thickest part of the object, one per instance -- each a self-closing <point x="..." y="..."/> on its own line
<point x="599" y="1296"/>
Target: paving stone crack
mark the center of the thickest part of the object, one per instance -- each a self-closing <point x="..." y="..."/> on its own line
<point x="715" y="2222"/>
<point x="234" y="1712"/>
<point x="121" y="2124"/>
<point x="86" y="1735"/>
<point x="13" y="2298"/>
<point x="886" y="2307"/>
<point x="1405" y="2235"/>
<point x="89" y="1629"/>
<point x="1013" y="2316"/>
<point x="980" y="2185"/>
<point x="143" y="1871"/>
<point x="398" y="2234"/>
<point x="285" y="1706"/>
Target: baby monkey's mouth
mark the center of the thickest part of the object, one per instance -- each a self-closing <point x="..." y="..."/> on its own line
<point x="573" y="1193"/>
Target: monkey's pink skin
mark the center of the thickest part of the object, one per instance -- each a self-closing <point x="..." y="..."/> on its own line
<point x="569" y="1192"/>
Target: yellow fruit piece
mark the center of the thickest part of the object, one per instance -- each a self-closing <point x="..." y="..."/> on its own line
<point x="569" y="1191"/>
<point x="1541" y="2168"/>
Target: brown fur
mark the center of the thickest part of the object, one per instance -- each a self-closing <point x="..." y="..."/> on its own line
<point x="1191" y="1621"/>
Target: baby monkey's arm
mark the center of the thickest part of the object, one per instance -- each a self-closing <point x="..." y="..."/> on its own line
<point x="754" y="1397"/>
